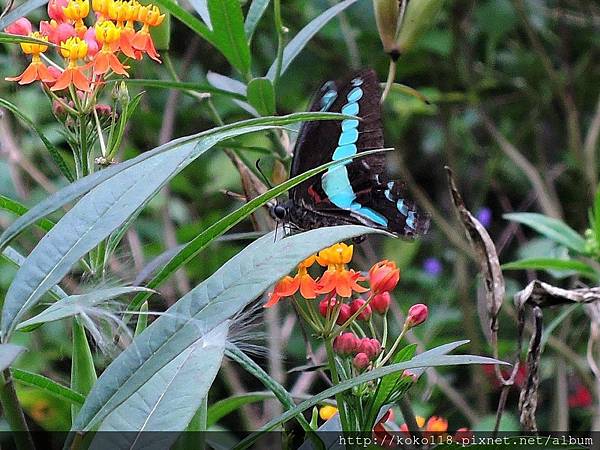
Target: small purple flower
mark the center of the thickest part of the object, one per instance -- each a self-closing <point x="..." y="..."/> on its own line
<point x="484" y="215"/>
<point x="432" y="267"/>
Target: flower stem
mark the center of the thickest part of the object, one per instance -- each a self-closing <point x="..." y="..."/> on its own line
<point x="13" y="412"/>
<point x="339" y="398"/>
<point x="356" y="314"/>
<point x="393" y="349"/>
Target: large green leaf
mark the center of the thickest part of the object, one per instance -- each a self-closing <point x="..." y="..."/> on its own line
<point x="553" y="229"/>
<point x="564" y="265"/>
<point x="432" y="360"/>
<point x="231" y="288"/>
<point x="201" y="8"/>
<point x="185" y="17"/>
<point x="168" y="400"/>
<point x="255" y="12"/>
<point x="109" y="203"/>
<point x="228" y="33"/>
<point x="8" y="353"/>
<point x="261" y="95"/>
<point x="298" y="42"/>
<point x="76" y="304"/>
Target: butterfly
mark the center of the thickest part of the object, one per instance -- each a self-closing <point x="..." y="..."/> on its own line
<point x="357" y="191"/>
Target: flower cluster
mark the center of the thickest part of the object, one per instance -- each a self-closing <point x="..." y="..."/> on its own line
<point x="90" y="53"/>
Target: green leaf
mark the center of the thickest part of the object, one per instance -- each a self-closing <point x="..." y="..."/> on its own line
<point x="20" y="11"/>
<point x="8" y="38"/>
<point x="230" y="289"/>
<point x="115" y="194"/>
<point x="8" y="204"/>
<point x="83" y="372"/>
<point x="183" y="86"/>
<point x="419" y="361"/>
<point x="553" y="264"/>
<point x="142" y="322"/>
<point x="168" y="400"/>
<point x="52" y="149"/>
<point x="553" y="229"/>
<point x="297" y="44"/>
<point x="228" y="33"/>
<point x="234" y="86"/>
<point x="77" y="304"/>
<point x="261" y="96"/>
<point x="192" y="248"/>
<point x="255" y="12"/>
<point x="201" y="8"/>
<point x="47" y="385"/>
<point x="186" y="18"/>
<point x="220" y="409"/>
<point x="8" y="354"/>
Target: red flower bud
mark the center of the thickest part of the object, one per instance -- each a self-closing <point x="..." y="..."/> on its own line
<point x="357" y="304"/>
<point x="361" y="361"/>
<point x="325" y="304"/>
<point x="345" y="344"/>
<point x="384" y="276"/>
<point x="55" y="10"/>
<point x="345" y="313"/>
<point x="90" y="39"/>
<point x="370" y="347"/>
<point x="103" y="110"/>
<point x="381" y="303"/>
<point x="463" y="436"/>
<point x="417" y="314"/>
<point x="408" y="373"/>
<point x="21" y="26"/>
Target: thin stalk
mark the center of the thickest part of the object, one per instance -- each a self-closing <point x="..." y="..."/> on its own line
<point x="356" y="314"/>
<point x="13" y="413"/>
<point x="99" y="131"/>
<point x="280" y="41"/>
<point x="394" y="347"/>
<point x="339" y="398"/>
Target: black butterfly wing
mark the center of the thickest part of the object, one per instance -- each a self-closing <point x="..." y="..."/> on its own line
<point x="359" y="191"/>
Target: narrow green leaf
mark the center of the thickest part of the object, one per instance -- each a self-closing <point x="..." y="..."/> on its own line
<point x="220" y="409"/>
<point x="297" y="44"/>
<point x="142" y="322"/>
<point x="83" y="372"/>
<point x="186" y="18"/>
<point x="255" y="12"/>
<point x="76" y="304"/>
<point x="552" y="264"/>
<point x="8" y="204"/>
<point x="201" y="8"/>
<point x="192" y="248"/>
<point x="8" y="38"/>
<point x="80" y="187"/>
<point x="114" y="196"/>
<point x="184" y="86"/>
<point x="47" y="385"/>
<point x="553" y="229"/>
<point x="230" y="289"/>
<point x="442" y="360"/>
<point x="52" y="149"/>
<point x="228" y="33"/>
<point x="8" y="354"/>
<point x="261" y="95"/>
<point x="234" y="86"/>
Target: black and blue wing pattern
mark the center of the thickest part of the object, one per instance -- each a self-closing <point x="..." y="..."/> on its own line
<point x="356" y="192"/>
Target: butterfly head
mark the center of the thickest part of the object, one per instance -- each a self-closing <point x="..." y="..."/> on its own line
<point x="279" y="212"/>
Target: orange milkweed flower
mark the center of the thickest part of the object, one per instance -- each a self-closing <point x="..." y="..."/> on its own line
<point x="337" y="277"/>
<point x="73" y="49"/>
<point x="436" y="424"/>
<point x="125" y="13"/>
<point x="150" y="16"/>
<point x="384" y="276"/>
<point x="76" y="11"/>
<point x="302" y="282"/>
<point x="336" y="254"/>
<point x="36" y="69"/>
<point x="107" y="34"/>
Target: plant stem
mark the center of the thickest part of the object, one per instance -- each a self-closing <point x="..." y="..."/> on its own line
<point x="13" y="413"/>
<point x="393" y="349"/>
<point x="280" y="39"/>
<point x="339" y="398"/>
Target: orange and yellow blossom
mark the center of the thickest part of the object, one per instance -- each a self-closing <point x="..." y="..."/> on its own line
<point x="150" y="16"/>
<point x="125" y="13"/>
<point x="36" y="69"/>
<point x="101" y="9"/>
<point x="288" y="286"/>
<point x="73" y="49"/>
<point x="76" y="11"/>
<point x="338" y="277"/>
<point x="107" y="34"/>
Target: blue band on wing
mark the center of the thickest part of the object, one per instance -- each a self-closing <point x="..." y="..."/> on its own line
<point x="335" y="181"/>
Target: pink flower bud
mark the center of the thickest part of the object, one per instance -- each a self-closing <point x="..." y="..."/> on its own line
<point x="55" y="10"/>
<point x="103" y="110"/>
<point x="361" y="361"/>
<point x="356" y="305"/>
<point x="326" y="304"/>
<point x="345" y="344"/>
<point x="381" y="303"/>
<point x="417" y="314"/>
<point x="90" y="39"/>
<point x="21" y="26"/>
<point x="345" y="313"/>
<point x="384" y="276"/>
<point x="370" y="347"/>
<point x="408" y="373"/>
